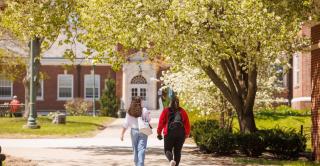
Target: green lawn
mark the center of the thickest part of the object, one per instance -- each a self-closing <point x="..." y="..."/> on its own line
<point x="283" y="117"/>
<point x="279" y="118"/>
<point x="76" y="126"/>
<point x="251" y="161"/>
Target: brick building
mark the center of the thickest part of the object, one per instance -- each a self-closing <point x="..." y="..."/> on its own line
<point x="315" y="73"/>
<point x="300" y="80"/>
<point x="61" y="83"/>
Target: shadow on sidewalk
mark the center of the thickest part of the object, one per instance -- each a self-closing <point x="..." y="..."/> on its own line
<point x="122" y="156"/>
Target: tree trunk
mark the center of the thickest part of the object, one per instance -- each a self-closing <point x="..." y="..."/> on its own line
<point x="26" y="99"/>
<point x="222" y="119"/>
<point x="246" y="120"/>
<point x="26" y="92"/>
<point x="230" y="119"/>
<point x="239" y="89"/>
<point x="26" y="80"/>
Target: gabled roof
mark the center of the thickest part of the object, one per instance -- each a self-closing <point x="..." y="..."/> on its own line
<point x="57" y="51"/>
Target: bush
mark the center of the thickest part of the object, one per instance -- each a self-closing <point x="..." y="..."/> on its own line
<point x="284" y="143"/>
<point x="201" y="127"/>
<point x="211" y="139"/>
<point x="251" y="144"/>
<point x="109" y="101"/>
<point x="77" y="107"/>
<point x="221" y="142"/>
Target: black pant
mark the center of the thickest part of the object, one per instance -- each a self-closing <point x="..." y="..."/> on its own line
<point x="174" y="141"/>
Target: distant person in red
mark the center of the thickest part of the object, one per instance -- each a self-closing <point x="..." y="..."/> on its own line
<point x="174" y="122"/>
<point x="14" y="106"/>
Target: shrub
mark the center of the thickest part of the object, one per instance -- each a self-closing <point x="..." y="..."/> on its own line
<point x="251" y="144"/>
<point x="221" y="142"/>
<point x="77" y="107"/>
<point x="109" y="101"/>
<point x="201" y="127"/>
<point x="211" y="139"/>
<point x="284" y="143"/>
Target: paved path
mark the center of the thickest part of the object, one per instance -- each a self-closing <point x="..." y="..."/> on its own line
<point x="105" y="149"/>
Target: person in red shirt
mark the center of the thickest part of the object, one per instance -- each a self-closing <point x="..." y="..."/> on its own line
<point x="14" y="106"/>
<point x="174" y="122"/>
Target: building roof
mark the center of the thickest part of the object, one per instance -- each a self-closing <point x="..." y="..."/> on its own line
<point x="57" y="51"/>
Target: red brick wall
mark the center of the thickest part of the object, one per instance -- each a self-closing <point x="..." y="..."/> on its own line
<point x="315" y="34"/>
<point x="315" y="75"/>
<point x="304" y="89"/>
<point x="119" y="79"/>
<point x="50" y="101"/>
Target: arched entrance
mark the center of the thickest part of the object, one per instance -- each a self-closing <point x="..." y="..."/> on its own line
<point x="137" y="82"/>
<point x="138" y="87"/>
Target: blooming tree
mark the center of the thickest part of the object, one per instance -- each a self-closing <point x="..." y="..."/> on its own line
<point x="36" y="21"/>
<point x="198" y="92"/>
<point x="233" y="42"/>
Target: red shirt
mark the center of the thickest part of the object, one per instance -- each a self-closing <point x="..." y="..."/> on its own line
<point x="15" y="105"/>
<point x="163" y="122"/>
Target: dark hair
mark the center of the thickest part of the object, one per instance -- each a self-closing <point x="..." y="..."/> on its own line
<point x="174" y="104"/>
<point x="135" y="108"/>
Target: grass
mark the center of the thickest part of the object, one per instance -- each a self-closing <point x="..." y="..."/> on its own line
<point x="283" y="117"/>
<point x="260" y="161"/>
<point x="76" y="126"/>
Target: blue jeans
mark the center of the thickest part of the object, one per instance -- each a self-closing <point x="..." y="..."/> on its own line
<point x="139" y="145"/>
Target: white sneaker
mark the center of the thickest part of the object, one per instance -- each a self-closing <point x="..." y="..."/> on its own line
<point x="172" y="163"/>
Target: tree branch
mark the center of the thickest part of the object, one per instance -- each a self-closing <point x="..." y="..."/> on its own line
<point x="236" y="80"/>
<point x="221" y="85"/>
<point x="228" y="75"/>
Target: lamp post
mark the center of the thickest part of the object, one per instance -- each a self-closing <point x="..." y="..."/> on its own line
<point x="94" y="90"/>
<point x="32" y="119"/>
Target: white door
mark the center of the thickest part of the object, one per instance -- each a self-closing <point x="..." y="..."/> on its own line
<point x="140" y="91"/>
<point x="139" y="87"/>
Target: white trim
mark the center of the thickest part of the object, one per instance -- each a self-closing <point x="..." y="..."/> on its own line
<point x="281" y="100"/>
<point x="64" y="98"/>
<point x="42" y="90"/>
<point x="296" y="70"/>
<point x="62" y="61"/>
<point x="97" y="81"/>
<point x="11" y="87"/>
<point x="300" y="99"/>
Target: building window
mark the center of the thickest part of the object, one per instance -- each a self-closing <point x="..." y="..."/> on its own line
<point x="40" y="90"/>
<point x="296" y="70"/>
<point x="5" y="88"/>
<point x="139" y="79"/>
<point x="65" y="86"/>
<point x="134" y="92"/>
<point x="143" y="93"/>
<point x="139" y="87"/>
<point x="88" y="86"/>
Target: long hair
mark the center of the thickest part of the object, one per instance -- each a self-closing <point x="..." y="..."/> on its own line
<point x="135" y="105"/>
<point x="174" y="104"/>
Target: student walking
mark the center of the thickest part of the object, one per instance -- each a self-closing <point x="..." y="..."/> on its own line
<point x="174" y="122"/>
<point x="139" y="140"/>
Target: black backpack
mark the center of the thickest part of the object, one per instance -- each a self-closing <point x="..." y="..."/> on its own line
<point x="175" y="119"/>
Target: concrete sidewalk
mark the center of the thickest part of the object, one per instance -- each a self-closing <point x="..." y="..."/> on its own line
<point x="105" y="149"/>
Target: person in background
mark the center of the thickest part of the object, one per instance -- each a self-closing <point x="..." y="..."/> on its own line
<point x="139" y="140"/>
<point x="14" y="106"/>
<point x="174" y="122"/>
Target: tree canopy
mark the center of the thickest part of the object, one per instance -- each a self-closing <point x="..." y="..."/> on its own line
<point x="233" y="42"/>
